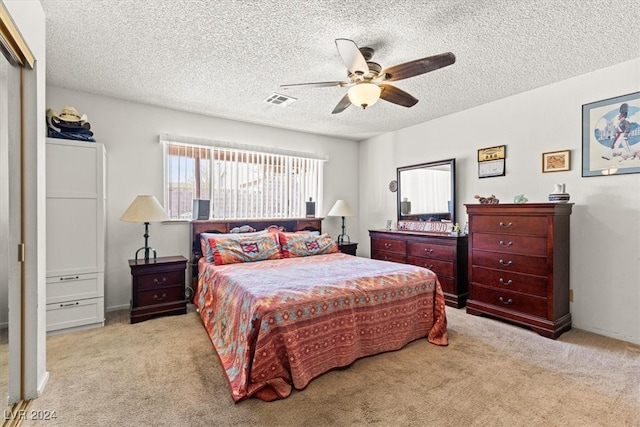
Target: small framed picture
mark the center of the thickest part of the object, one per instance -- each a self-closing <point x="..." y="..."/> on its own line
<point x="556" y="161"/>
<point x="491" y="161"/>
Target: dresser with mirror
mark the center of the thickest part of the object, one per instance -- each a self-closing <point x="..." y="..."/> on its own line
<point x="424" y="236"/>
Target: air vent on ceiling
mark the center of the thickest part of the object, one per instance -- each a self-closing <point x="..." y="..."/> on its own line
<point x="279" y="99"/>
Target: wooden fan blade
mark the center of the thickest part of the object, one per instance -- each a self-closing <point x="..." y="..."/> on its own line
<point x="417" y="67"/>
<point x="397" y="96"/>
<point x="316" y="84"/>
<point x="342" y="105"/>
<point x="352" y="57"/>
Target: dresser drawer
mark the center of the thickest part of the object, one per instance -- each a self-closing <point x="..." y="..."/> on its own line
<point x="447" y="284"/>
<point x="74" y="287"/>
<point x="523" y="303"/>
<point x="431" y="250"/>
<point x="160" y="296"/>
<point x="509" y="262"/>
<point x="444" y="268"/>
<point x="534" y="225"/>
<point x="160" y="279"/>
<point x="510" y="243"/>
<point x="389" y="256"/>
<point x="76" y="313"/>
<point x="500" y="279"/>
<point x="389" y="245"/>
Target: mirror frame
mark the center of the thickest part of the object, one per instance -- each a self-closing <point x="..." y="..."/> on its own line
<point x="450" y="162"/>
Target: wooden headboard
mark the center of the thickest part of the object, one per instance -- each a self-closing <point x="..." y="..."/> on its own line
<point x="225" y="226"/>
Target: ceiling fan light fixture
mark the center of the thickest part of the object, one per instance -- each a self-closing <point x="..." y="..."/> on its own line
<point x="364" y="94"/>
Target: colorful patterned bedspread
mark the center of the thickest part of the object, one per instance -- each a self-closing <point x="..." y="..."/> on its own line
<point x="281" y="323"/>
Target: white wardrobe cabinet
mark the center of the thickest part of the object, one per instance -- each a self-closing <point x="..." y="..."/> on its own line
<point x="75" y="234"/>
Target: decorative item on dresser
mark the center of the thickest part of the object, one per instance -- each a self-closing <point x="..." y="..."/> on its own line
<point x="443" y="254"/>
<point x="519" y="264"/>
<point x="75" y="234"/>
<point x="157" y="287"/>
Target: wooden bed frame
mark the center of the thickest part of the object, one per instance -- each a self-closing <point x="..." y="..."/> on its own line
<point x="225" y="226"/>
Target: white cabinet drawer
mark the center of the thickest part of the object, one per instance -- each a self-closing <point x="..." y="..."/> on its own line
<point x="74" y="287"/>
<point x="79" y="313"/>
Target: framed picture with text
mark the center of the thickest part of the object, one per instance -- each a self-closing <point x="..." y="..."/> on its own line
<point x="491" y="161"/>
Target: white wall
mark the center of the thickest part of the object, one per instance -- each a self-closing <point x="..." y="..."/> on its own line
<point x="134" y="166"/>
<point x="605" y="238"/>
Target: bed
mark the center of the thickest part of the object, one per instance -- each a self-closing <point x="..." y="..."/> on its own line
<point x="299" y="308"/>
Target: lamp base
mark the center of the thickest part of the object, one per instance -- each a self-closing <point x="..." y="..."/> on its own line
<point x="342" y="237"/>
<point x="146" y="250"/>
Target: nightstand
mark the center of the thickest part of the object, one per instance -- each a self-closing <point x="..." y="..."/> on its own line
<point x="348" y="248"/>
<point x="157" y="287"/>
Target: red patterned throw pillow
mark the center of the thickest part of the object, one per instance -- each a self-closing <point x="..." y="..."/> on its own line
<point x="306" y="244"/>
<point x="252" y="248"/>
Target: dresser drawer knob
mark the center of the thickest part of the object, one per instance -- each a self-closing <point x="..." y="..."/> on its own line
<point x="428" y="250"/>
<point x="430" y="266"/>
<point x="507" y="283"/>
<point x="502" y="243"/>
<point x="157" y="282"/>
<point x="509" y="301"/>
<point x="387" y="245"/>
<point x="157" y="298"/>
<point x="503" y="225"/>
<point x="506" y="264"/>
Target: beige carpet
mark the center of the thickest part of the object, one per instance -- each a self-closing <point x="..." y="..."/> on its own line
<point x="163" y="372"/>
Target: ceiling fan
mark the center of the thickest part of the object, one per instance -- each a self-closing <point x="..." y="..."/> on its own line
<point x="367" y="80"/>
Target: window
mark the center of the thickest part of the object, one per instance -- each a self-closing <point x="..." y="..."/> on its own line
<point x="241" y="183"/>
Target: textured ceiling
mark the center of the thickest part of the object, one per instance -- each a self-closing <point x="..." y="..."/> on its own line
<point x="224" y="58"/>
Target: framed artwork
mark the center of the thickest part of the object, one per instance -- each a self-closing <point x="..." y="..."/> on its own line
<point x="611" y="136"/>
<point x="556" y="161"/>
<point x="491" y="161"/>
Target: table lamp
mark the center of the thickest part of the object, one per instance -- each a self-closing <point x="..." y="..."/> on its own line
<point x="342" y="209"/>
<point x="145" y="209"/>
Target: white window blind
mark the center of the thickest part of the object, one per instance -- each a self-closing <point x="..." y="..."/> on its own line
<point x="240" y="183"/>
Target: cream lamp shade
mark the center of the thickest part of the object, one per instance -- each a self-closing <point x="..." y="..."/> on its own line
<point x="341" y="208"/>
<point x="364" y="94"/>
<point x="145" y="209"/>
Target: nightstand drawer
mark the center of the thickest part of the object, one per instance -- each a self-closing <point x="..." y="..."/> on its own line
<point x="160" y="280"/>
<point x="160" y="296"/>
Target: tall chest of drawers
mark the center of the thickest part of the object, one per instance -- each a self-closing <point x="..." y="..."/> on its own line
<point x="519" y="264"/>
<point x="444" y="255"/>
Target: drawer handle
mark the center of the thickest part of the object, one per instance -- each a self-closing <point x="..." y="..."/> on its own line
<point x="157" y="282"/>
<point x="507" y="283"/>
<point x="430" y="266"/>
<point x="502" y="243"/>
<point x="509" y="301"/>
<point x="70" y="278"/>
<point x="386" y="258"/>
<point x="387" y="245"/>
<point x="69" y="304"/>
<point x="428" y="250"/>
<point x="506" y="264"/>
<point x="503" y="225"/>
<point x="156" y="297"/>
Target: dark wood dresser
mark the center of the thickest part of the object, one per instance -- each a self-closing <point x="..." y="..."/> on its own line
<point x="444" y="255"/>
<point x="519" y="264"/>
<point x="158" y="287"/>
